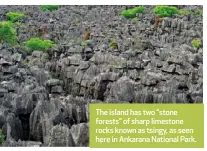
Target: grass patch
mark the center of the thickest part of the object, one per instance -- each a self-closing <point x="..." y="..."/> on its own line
<point x="7" y="33"/>
<point x="15" y="16"/>
<point x="131" y="13"/>
<point x="38" y="44"/>
<point x="196" y="43"/>
<point x="49" y="7"/>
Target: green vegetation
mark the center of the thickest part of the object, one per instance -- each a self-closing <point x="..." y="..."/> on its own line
<point x="74" y="25"/>
<point x="84" y="44"/>
<point x="18" y="23"/>
<point x="2" y="137"/>
<point x="165" y="11"/>
<point x="168" y="11"/>
<point x="38" y="44"/>
<point x="131" y="13"/>
<point x="196" y="43"/>
<point x="113" y="44"/>
<point x="14" y="16"/>
<point x="184" y="12"/>
<point x="49" y="7"/>
<point x="198" y="12"/>
<point x="7" y="33"/>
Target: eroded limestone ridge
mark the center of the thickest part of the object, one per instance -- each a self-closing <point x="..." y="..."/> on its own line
<point x="100" y="57"/>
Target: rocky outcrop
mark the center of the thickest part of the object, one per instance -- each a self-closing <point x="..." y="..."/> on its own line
<point x="45" y="96"/>
<point x="80" y="134"/>
<point x="60" y="136"/>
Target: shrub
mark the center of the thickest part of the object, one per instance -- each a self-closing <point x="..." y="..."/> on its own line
<point x="14" y="16"/>
<point x="38" y="44"/>
<point x="131" y="13"/>
<point x="7" y="33"/>
<point x="196" y="43"/>
<point x="184" y="12"/>
<point x="2" y="137"/>
<point x="165" y="11"/>
<point x="198" y="12"/>
<point x="84" y="44"/>
<point x="113" y="44"/>
<point x="49" y="7"/>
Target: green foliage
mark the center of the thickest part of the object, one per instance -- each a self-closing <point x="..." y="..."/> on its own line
<point x="14" y="16"/>
<point x="2" y="137"/>
<point x="49" y="7"/>
<point x="84" y="44"/>
<point x="113" y="44"/>
<point x="168" y="11"/>
<point x="7" y="33"/>
<point x="184" y="12"/>
<point x="198" y="12"/>
<point x="18" y="23"/>
<point x="165" y="11"/>
<point x="131" y="13"/>
<point x="196" y="43"/>
<point x="74" y="25"/>
<point x="38" y="44"/>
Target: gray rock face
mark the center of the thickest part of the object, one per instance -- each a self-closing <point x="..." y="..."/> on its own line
<point x="123" y="90"/>
<point x="56" y="111"/>
<point x="22" y="144"/>
<point x="60" y="136"/>
<point x="45" y="96"/>
<point x="80" y="133"/>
